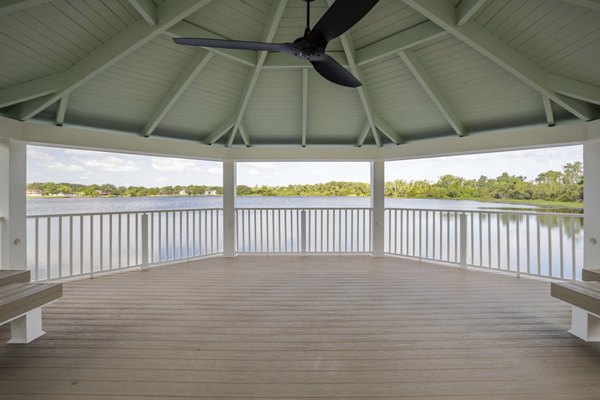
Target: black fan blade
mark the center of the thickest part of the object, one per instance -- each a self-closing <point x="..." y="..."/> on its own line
<point x="341" y="16"/>
<point x="235" y="44"/>
<point x="335" y="72"/>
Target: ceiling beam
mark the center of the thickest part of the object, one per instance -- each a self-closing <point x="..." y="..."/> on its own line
<point x="245" y="136"/>
<point x="120" y="46"/>
<point x="146" y="9"/>
<point x="527" y="137"/>
<point x="466" y="9"/>
<point x="44" y="133"/>
<point x="474" y="35"/>
<point x="11" y="6"/>
<point x="388" y="131"/>
<point x="548" y="110"/>
<point x="575" y="89"/>
<point x="391" y="45"/>
<point x="220" y="131"/>
<point x="277" y="10"/>
<point x="362" y="92"/>
<point x="304" y="105"/>
<point x="191" y="71"/>
<point x="31" y="90"/>
<point x="432" y="90"/>
<point x="186" y="29"/>
<point x="363" y="134"/>
<point x="591" y="4"/>
<point x="59" y="120"/>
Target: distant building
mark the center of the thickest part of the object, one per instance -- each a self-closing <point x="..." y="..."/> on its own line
<point x="211" y="192"/>
<point x="183" y="193"/>
<point x="34" y="192"/>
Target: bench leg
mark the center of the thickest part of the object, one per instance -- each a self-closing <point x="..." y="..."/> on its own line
<point x="27" y="327"/>
<point x="585" y="325"/>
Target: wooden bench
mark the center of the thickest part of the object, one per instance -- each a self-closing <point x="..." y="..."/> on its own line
<point x="8" y="276"/>
<point x="590" y="275"/>
<point x="585" y="300"/>
<point x="21" y="304"/>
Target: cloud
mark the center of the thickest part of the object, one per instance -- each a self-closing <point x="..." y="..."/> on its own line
<point x="253" y="171"/>
<point x="110" y="163"/>
<point x="260" y="165"/>
<point x="58" y="166"/>
<point x="215" y="171"/>
<point x="39" y="154"/>
<point x="173" y="164"/>
<point x="319" y="173"/>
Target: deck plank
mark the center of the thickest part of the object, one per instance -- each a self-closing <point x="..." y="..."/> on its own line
<point x="313" y="327"/>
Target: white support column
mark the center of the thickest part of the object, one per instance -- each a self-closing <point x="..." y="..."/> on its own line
<point x="591" y="203"/>
<point x="585" y="325"/>
<point x="378" y="206"/>
<point x="27" y="327"/>
<point x="13" y="154"/>
<point x="229" y="194"/>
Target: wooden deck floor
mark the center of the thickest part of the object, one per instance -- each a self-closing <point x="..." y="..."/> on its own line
<point x="292" y="327"/>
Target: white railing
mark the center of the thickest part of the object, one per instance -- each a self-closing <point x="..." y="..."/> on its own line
<point x="303" y="230"/>
<point x="70" y="245"/>
<point x="548" y="245"/>
<point x="541" y="244"/>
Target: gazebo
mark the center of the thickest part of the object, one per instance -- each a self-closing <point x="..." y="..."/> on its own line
<point x="439" y="77"/>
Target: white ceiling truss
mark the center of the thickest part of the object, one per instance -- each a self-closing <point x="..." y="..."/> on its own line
<point x="191" y="71"/>
<point x="548" y="110"/>
<point x="131" y="39"/>
<point x="26" y="100"/>
<point x="268" y="35"/>
<point x="432" y="90"/>
<point x="147" y="10"/>
<point x="478" y="38"/>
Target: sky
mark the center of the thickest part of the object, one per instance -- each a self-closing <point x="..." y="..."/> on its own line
<point x="47" y="164"/>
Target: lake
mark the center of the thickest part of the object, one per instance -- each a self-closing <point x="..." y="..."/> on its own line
<point x="43" y="206"/>
<point x="499" y="235"/>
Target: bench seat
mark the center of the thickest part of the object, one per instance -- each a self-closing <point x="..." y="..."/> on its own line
<point x="20" y="304"/>
<point x="10" y="276"/>
<point x="585" y="299"/>
<point x="590" y="275"/>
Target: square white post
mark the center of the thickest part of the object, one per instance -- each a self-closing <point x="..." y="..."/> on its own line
<point x="378" y="208"/>
<point x="27" y="327"/>
<point x="145" y="254"/>
<point x="13" y="174"/>
<point x="591" y="203"/>
<point x="229" y="194"/>
<point x="585" y="325"/>
<point x="463" y="240"/>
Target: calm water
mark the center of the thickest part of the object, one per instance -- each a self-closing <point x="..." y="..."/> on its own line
<point x="37" y="206"/>
<point x="545" y="245"/>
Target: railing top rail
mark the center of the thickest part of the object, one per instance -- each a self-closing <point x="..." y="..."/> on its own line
<point x="303" y="208"/>
<point x="120" y="212"/>
<point x="550" y="214"/>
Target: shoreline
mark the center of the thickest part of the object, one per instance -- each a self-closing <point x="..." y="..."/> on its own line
<point x="533" y="202"/>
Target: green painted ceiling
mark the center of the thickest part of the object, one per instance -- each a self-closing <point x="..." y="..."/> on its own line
<point x="112" y="69"/>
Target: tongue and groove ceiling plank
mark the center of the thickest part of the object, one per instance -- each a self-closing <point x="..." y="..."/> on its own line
<point x="120" y="46"/>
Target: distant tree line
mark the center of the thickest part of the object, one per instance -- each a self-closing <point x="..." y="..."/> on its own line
<point x="108" y="190"/>
<point x="565" y="185"/>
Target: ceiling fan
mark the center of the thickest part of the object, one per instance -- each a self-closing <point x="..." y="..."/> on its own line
<point x="340" y="17"/>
